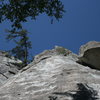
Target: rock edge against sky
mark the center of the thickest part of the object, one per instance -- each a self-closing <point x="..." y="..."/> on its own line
<point x="55" y="75"/>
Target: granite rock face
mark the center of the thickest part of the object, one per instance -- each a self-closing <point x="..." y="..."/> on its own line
<point x="56" y="51"/>
<point x="7" y="69"/>
<point x="90" y="54"/>
<point x="53" y="77"/>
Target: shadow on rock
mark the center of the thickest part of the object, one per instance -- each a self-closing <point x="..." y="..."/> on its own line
<point x="84" y="92"/>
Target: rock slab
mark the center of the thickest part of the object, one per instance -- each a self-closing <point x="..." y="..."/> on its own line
<point x="55" y="78"/>
<point x="7" y="69"/>
<point x="90" y="54"/>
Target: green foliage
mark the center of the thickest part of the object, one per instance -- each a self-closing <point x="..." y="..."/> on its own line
<point x="17" y="11"/>
<point x="7" y="55"/>
<point x="62" y="51"/>
<point x="19" y="65"/>
<point x="21" y="51"/>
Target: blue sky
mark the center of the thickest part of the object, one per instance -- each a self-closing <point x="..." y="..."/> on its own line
<point x="80" y="24"/>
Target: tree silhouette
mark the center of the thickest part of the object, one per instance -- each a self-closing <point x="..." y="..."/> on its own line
<point x="17" y="11"/>
<point x="21" y="50"/>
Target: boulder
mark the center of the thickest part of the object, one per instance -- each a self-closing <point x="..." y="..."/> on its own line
<point x="90" y="55"/>
<point x="58" y="50"/>
<point x="56" y="77"/>
<point x="7" y="67"/>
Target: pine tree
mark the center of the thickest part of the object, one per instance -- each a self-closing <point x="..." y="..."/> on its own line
<point x="21" y="50"/>
<point x="19" y="11"/>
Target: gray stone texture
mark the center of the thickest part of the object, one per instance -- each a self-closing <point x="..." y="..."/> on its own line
<point x="90" y="54"/>
<point x="52" y="76"/>
<point x="7" y="69"/>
